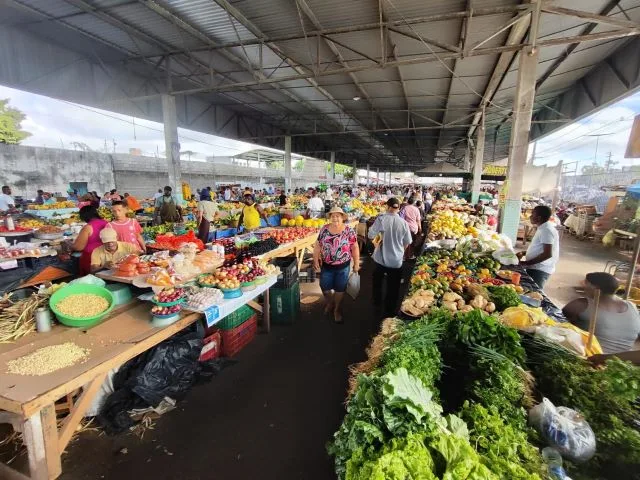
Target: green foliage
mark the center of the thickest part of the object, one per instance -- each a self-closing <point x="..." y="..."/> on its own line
<point x="10" y="124"/>
<point x="477" y="328"/>
<point x="501" y="443"/>
<point x="606" y="398"/>
<point x="504" y="297"/>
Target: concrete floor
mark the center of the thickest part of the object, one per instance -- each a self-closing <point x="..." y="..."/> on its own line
<point x="270" y="415"/>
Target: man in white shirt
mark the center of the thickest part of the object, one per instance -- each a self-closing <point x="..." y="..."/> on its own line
<point x="544" y="251"/>
<point x="315" y="206"/>
<point x="328" y="194"/>
<point x="6" y="200"/>
<point x="227" y="194"/>
<point x="158" y="194"/>
<point x="388" y="256"/>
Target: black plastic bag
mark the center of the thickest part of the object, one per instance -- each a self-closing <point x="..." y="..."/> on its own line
<point x="168" y="370"/>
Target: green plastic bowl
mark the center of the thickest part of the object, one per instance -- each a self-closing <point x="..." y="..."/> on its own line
<point x="69" y="290"/>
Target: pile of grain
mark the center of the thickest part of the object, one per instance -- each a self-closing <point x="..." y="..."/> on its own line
<point x="48" y="359"/>
<point x="82" y="305"/>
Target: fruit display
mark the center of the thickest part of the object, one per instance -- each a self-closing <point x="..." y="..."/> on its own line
<point x="169" y="295"/>
<point x="130" y="266"/>
<point x="174" y="242"/>
<point x="31" y="223"/>
<point x="161" y="278"/>
<point x="300" y="221"/>
<point x="287" y="235"/>
<point x="159" y="311"/>
<point x="17" y="229"/>
<point x="221" y="278"/>
<point x="52" y="206"/>
<point x="49" y="229"/>
<point x="260" y="247"/>
<point x="202" y="298"/>
<point x="448" y="224"/>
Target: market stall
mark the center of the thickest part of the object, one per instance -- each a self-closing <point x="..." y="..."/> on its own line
<point x="467" y="381"/>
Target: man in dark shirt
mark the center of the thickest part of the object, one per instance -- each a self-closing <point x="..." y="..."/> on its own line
<point x="283" y="198"/>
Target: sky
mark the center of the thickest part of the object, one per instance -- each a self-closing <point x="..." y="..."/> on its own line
<point x="608" y="130"/>
<point x="56" y="123"/>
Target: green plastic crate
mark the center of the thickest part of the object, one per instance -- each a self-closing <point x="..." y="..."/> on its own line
<point x="236" y="318"/>
<point x="285" y="304"/>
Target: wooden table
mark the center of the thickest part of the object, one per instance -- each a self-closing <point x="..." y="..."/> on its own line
<point x="297" y="248"/>
<point x="28" y="403"/>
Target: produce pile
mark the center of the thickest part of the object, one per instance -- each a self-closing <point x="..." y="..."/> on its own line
<point x="166" y="228"/>
<point x="446" y="397"/>
<point x="300" y="221"/>
<point x="49" y="359"/>
<point x="174" y="242"/>
<point x="287" y="235"/>
<point x="82" y="305"/>
<point x="448" y="224"/>
<point x="17" y="316"/>
<point x="52" y="206"/>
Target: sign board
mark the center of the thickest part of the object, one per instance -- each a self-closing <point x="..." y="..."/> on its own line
<point x="633" y="144"/>
<point x="211" y="315"/>
<point x="490" y="170"/>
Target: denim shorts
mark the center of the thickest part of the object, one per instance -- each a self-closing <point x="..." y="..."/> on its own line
<point x="336" y="280"/>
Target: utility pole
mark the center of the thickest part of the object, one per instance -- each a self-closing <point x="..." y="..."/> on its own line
<point x="609" y="163"/>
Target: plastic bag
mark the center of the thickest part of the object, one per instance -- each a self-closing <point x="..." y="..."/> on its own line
<point x="353" y="286"/>
<point x="89" y="280"/>
<point x="609" y="239"/>
<point x="564" y="429"/>
<point x="506" y="256"/>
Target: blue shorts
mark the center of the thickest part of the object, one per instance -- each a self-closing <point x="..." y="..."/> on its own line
<point x="335" y="280"/>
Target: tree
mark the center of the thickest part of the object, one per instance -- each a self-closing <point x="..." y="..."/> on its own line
<point x="345" y="171"/>
<point x="299" y="165"/>
<point x="592" y="169"/>
<point x="10" y="120"/>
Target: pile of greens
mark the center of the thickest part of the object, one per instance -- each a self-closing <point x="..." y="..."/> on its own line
<point x="504" y="297"/>
<point x="607" y="397"/>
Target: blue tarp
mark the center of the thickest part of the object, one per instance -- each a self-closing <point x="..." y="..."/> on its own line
<point x="634" y="190"/>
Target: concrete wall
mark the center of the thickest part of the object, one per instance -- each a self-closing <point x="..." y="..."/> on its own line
<point x="27" y="169"/>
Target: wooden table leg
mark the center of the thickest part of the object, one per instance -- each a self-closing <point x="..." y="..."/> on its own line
<point x="41" y="438"/>
<point x="266" y="311"/>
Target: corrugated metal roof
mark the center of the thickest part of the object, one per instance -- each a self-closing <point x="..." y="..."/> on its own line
<point x="445" y="89"/>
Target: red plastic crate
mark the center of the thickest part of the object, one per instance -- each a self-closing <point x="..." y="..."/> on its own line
<point x="237" y="338"/>
<point x="211" y="347"/>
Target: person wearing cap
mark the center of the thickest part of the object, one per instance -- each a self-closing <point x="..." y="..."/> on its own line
<point x="111" y="251"/>
<point x="251" y="213"/>
<point x="336" y="248"/>
<point x="315" y="206"/>
<point x="167" y="207"/>
<point x="394" y="237"/>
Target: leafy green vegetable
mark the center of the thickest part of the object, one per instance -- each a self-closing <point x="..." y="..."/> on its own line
<point x="478" y="328"/>
<point x="423" y="363"/>
<point x="401" y="459"/>
<point x="504" y="297"/>
<point x="606" y="397"/>
<point x="505" y="448"/>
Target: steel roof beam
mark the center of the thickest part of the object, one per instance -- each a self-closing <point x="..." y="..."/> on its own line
<point x="591" y="17"/>
<point x="516" y="36"/>
<point x="263" y="39"/>
<point x="309" y="74"/>
<point x="608" y="8"/>
<point x="194" y="32"/>
<point x="334" y="49"/>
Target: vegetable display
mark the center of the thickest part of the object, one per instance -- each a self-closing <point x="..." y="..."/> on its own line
<point x="447" y="395"/>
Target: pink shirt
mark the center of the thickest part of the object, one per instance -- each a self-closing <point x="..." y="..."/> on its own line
<point x="412" y="217"/>
<point x="127" y="230"/>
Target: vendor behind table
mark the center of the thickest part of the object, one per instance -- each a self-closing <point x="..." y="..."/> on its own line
<point x="111" y="251"/>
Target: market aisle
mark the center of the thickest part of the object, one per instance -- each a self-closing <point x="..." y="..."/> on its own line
<point x="269" y="416"/>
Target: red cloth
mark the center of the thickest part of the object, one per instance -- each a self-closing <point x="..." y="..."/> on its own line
<point x="97" y="224"/>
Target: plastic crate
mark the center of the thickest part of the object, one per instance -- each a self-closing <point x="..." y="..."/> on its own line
<point x="288" y="271"/>
<point x="237" y="338"/>
<point x="226" y="233"/>
<point x="284" y="304"/>
<point x="235" y="319"/>
<point x="212" y="345"/>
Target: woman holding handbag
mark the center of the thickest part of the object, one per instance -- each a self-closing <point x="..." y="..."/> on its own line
<point x="336" y="247"/>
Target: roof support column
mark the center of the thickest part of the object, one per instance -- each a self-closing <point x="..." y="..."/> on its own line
<point x="287" y="163"/>
<point x="477" y="162"/>
<point x="378" y="176"/>
<point x="519" y="142"/>
<point x="368" y="174"/>
<point x="355" y="173"/>
<point x="171" y="143"/>
<point x="332" y="175"/>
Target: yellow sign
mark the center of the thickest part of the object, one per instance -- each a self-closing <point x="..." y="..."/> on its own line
<point x="494" y="170"/>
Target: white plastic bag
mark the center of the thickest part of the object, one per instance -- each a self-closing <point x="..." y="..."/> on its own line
<point x="506" y="256"/>
<point x="564" y="429"/>
<point x="89" y="280"/>
<point x="353" y="286"/>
